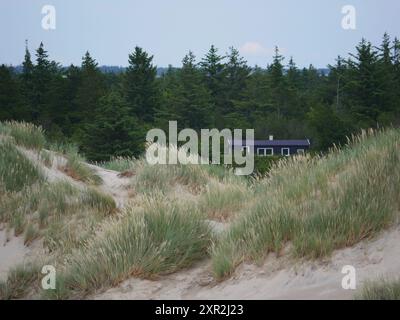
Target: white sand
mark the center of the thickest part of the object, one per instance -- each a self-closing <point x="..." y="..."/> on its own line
<point x="114" y="185"/>
<point x="12" y="252"/>
<point x="276" y="279"/>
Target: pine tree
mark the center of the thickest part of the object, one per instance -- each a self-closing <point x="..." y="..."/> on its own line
<point x="9" y="95"/>
<point x="278" y="84"/>
<point x="91" y="89"/>
<point x="42" y="78"/>
<point x="140" y="87"/>
<point x="365" y="86"/>
<point x="214" y="73"/>
<point x="113" y="131"/>
<point x="387" y="78"/>
<point x="27" y="86"/>
<point x="236" y="74"/>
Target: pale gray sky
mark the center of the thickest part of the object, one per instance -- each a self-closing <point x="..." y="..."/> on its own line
<point x="308" y="30"/>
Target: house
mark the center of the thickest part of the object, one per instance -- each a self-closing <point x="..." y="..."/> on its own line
<point x="273" y="147"/>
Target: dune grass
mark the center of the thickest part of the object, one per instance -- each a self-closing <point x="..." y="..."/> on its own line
<point x="383" y="289"/>
<point x="20" y="280"/>
<point x="24" y="134"/>
<point x="158" y="239"/>
<point x="16" y="171"/>
<point x="161" y="177"/>
<point x="318" y="204"/>
<point x="79" y="170"/>
<point x="120" y="164"/>
<point x="223" y="200"/>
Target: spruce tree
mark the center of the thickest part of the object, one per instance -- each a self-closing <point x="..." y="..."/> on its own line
<point x="140" y="87"/>
<point x="27" y="85"/>
<point x="188" y="99"/>
<point x="91" y="89"/>
<point x="213" y="70"/>
<point x="9" y="95"/>
<point x="113" y="131"/>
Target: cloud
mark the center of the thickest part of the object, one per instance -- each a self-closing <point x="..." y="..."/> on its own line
<point x="255" y="49"/>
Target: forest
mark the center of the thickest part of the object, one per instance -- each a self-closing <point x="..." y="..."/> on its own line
<point x="108" y="114"/>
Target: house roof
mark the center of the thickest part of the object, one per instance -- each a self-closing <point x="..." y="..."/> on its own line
<point x="272" y="143"/>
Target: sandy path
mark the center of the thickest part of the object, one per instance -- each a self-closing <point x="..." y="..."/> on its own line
<point x="114" y="185"/>
<point x="277" y="278"/>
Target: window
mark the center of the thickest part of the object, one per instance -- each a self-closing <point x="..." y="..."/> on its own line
<point x="300" y="151"/>
<point x="285" y="152"/>
<point x="265" y="152"/>
<point x="269" y="151"/>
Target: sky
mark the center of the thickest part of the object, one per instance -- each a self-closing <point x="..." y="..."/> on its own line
<point x="309" y="30"/>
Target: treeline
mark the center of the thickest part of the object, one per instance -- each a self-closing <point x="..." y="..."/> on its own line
<point x="109" y="114"/>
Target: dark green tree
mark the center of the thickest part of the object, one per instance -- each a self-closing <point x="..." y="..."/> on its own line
<point x="9" y="95"/>
<point x="91" y="89"/>
<point x="140" y="86"/>
<point x="113" y="131"/>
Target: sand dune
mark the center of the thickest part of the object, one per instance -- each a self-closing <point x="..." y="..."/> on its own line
<point x="277" y="278"/>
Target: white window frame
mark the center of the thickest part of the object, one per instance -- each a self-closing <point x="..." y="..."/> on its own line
<point x="288" y="152"/>
<point x="272" y="152"/>
<point x="301" y="151"/>
<point x="264" y="154"/>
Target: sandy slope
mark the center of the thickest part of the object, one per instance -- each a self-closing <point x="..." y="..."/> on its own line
<point x="276" y="279"/>
<point x="12" y="252"/>
<point x="12" y="249"/>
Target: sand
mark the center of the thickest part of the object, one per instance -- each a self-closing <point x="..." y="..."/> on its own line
<point x="276" y="278"/>
<point x="12" y="252"/>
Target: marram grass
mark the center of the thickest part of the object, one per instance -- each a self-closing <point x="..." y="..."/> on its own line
<point x="318" y="204"/>
<point x="158" y="239"/>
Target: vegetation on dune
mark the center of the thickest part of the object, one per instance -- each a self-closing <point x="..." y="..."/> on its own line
<point x="24" y="134"/>
<point x="37" y="208"/>
<point x="157" y="239"/>
<point x="20" y="280"/>
<point x="314" y="205"/>
<point x="79" y="170"/>
<point x="382" y="289"/>
<point x="318" y="204"/>
<point x="16" y="171"/>
<point x="120" y="164"/>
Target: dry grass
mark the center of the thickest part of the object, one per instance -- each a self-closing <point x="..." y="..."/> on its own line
<point x="157" y="239"/>
<point x="383" y="289"/>
<point x="318" y="204"/>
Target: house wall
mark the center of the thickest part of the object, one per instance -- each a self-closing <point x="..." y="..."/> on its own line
<point x="277" y="149"/>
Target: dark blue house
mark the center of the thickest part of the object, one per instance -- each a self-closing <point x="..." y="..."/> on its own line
<point x="273" y="147"/>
